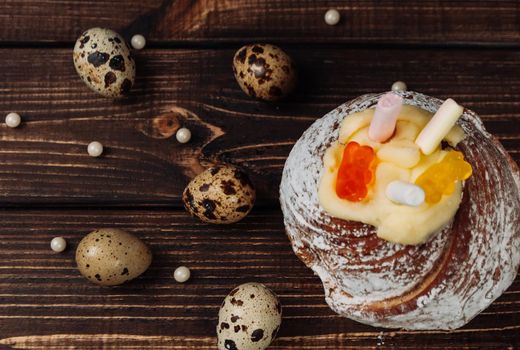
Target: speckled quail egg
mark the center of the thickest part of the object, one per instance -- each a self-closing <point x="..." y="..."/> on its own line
<point x="220" y="195"/>
<point x="103" y="60"/>
<point x="264" y="71"/>
<point x="110" y="257"/>
<point x="249" y="318"/>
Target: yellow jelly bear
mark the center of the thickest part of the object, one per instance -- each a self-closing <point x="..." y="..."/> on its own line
<point x="440" y="179"/>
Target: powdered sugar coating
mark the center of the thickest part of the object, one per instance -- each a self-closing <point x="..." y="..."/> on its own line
<point x="442" y="284"/>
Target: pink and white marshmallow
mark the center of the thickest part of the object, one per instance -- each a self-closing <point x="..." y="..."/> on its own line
<point x="439" y="126"/>
<point x="383" y="123"/>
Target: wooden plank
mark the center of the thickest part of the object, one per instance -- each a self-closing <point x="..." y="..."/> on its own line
<point x="46" y="304"/>
<point x="45" y="160"/>
<point x="424" y="21"/>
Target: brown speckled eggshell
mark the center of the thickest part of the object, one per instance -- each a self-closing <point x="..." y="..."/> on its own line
<point x="220" y="195"/>
<point x="249" y="318"/>
<point x="103" y="60"/>
<point x="264" y="71"/>
<point x="110" y="257"/>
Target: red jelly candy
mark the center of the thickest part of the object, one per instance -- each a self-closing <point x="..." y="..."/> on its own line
<point x="355" y="172"/>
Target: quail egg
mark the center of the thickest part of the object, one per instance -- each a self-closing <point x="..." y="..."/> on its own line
<point x="264" y="71"/>
<point x="249" y="318"/>
<point x="110" y="257"/>
<point x="103" y="60"/>
<point x="220" y="195"/>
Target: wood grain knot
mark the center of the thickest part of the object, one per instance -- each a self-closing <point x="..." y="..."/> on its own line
<point x="166" y="125"/>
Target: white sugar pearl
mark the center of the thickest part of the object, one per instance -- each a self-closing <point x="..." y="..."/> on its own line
<point x="58" y="244"/>
<point x="183" y="135"/>
<point x="182" y="274"/>
<point x="399" y="86"/>
<point x="138" y="42"/>
<point x="12" y="120"/>
<point x="332" y="17"/>
<point x="95" y="149"/>
<point x="258" y="69"/>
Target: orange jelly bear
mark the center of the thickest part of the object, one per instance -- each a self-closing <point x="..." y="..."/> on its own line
<point x="356" y="172"/>
<point x="440" y="179"/>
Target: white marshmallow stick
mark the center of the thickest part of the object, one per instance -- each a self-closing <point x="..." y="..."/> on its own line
<point x="439" y="126"/>
<point x="402" y="192"/>
<point x="382" y="126"/>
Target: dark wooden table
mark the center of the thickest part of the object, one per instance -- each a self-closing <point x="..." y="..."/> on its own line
<point x="49" y="186"/>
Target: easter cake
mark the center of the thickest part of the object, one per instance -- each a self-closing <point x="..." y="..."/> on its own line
<point x="406" y="208"/>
